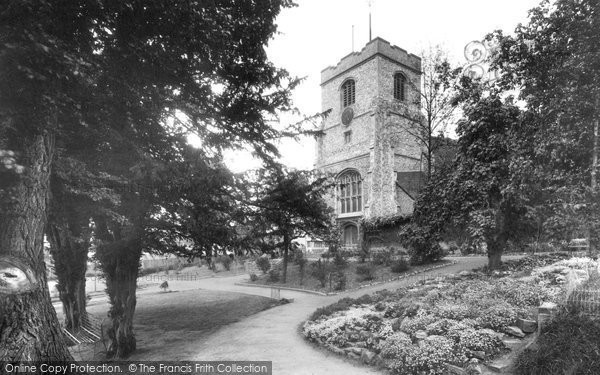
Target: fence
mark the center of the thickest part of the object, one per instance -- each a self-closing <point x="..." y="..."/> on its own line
<point x="586" y="300"/>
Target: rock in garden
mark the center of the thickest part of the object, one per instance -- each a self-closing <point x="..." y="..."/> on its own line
<point x="479" y="354"/>
<point x="473" y="368"/>
<point x="527" y="326"/>
<point x="515" y="331"/>
<point x="547" y="308"/>
<point x="367" y="356"/>
<point x="454" y="370"/>
<point x="465" y="273"/>
<point x="336" y="350"/>
<point x="421" y="335"/>
<point x="355" y="350"/>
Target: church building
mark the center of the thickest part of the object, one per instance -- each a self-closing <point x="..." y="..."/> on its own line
<point x="368" y="141"/>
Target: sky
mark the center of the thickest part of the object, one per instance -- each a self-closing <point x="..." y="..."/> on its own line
<point x="318" y="33"/>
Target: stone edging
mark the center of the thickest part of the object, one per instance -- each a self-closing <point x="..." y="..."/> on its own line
<point x="401" y="277"/>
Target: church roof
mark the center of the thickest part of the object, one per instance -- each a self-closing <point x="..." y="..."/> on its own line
<point x="411" y="182"/>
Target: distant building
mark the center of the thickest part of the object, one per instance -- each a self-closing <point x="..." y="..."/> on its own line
<point x="373" y="99"/>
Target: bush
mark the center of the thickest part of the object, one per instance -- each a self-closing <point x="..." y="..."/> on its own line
<point x="340" y="281"/>
<point x="263" y="264"/>
<point x="273" y="276"/>
<point x="253" y="277"/>
<point x="567" y="345"/>
<point x="382" y="257"/>
<point x="365" y="271"/>
<point x="430" y="357"/>
<point x="164" y="286"/>
<point x="320" y="270"/>
<point x="422" y="243"/>
<point x="226" y="261"/>
<point x="400" y="265"/>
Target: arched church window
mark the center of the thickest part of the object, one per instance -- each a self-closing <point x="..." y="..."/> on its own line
<point x="350" y="192"/>
<point x="350" y="235"/>
<point x="348" y="93"/>
<point x="399" y="86"/>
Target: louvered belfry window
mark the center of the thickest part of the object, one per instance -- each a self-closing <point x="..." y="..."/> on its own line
<point x="350" y="192"/>
<point x="348" y="93"/>
<point x="399" y="86"/>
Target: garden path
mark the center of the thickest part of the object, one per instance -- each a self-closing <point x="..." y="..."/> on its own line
<point x="272" y="334"/>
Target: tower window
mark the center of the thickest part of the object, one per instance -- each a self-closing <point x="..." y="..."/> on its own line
<point x="399" y="86"/>
<point x="348" y="136"/>
<point x="348" y="95"/>
<point x="350" y="193"/>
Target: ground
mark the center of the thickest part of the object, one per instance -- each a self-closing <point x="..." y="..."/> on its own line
<point x="268" y="335"/>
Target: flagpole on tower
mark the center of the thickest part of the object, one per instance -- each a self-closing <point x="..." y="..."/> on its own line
<point x="370" y="3"/>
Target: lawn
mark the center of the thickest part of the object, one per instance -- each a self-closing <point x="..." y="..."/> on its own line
<point x="381" y="273"/>
<point x="169" y="325"/>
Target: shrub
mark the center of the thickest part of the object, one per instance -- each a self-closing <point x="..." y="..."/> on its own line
<point x="164" y="286"/>
<point x="263" y="264"/>
<point x="340" y="280"/>
<point x="471" y="340"/>
<point x="301" y="261"/>
<point x="273" y="276"/>
<point x="340" y="305"/>
<point x="418" y="322"/>
<point x="395" y="345"/>
<point x="400" y="265"/>
<point x="320" y="270"/>
<point x="422" y="243"/>
<point x="365" y="271"/>
<point x="253" y="277"/>
<point x="429" y="357"/>
<point x="567" y="345"/>
<point x="382" y="257"/>
<point x="226" y="261"/>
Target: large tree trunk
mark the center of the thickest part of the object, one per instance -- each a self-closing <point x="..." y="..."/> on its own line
<point x="69" y="244"/>
<point x="119" y="261"/>
<point x="29" y="327"/>
<point x="286" y="246"/>
<point x="495" y="247"/>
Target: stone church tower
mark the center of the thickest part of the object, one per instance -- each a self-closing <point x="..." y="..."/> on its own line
<point x="367" y="145"/>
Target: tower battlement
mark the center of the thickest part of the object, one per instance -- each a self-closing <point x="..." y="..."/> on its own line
<point x="376" y="47"/>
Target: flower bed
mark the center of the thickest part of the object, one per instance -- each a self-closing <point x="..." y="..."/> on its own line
<point x="447" y="320"/>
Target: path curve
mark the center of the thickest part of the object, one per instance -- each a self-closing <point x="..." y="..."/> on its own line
<point x="272" y="335"/>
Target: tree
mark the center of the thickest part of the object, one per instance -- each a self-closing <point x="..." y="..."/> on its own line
<point x="289" y="205"/>
<point x="437" y="102"/>
<point x="46" y="54"/>
<point x="553" y="62"/>
<point x="484" y="192"/>
<point x="119" y="71"/>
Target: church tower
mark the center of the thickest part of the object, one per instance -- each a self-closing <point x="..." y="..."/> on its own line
<point x="368" y="140"/>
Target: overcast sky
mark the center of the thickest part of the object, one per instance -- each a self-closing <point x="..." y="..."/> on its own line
<point x="318" y="33"/>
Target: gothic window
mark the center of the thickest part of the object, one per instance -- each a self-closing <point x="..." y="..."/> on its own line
<point x="350" y="193"/>
<point x="350" y="235"/>
<point x="399" y="86"/>
<point x="348" y="96"/>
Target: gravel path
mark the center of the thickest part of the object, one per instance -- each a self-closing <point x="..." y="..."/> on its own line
<point x="272" y="335"/>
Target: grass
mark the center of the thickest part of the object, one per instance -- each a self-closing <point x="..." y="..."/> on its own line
<point x="569" y="344"/>
<point x="382" y="273"/>
<point x="174" y="324"/>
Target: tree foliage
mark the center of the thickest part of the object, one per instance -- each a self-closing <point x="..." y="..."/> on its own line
<point x="289" y="204"/>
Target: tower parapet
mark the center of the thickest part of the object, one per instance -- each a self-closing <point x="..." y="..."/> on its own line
<point x="376" y="47"/>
